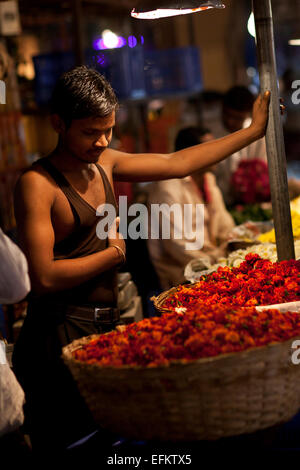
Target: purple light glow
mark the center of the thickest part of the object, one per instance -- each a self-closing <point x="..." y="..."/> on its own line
<point x="132" y="41"/>
<point x="99" y="45"/>
<point x="122" y="42"/>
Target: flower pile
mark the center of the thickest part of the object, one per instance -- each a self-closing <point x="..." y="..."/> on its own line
<point x="204" y="332"/>
<point x="270" y="236"/>
<point x="295" y="204"/>
<point x="264" y="250"/>
<point x="256" y="281"/>
<point x="250" y="182"/>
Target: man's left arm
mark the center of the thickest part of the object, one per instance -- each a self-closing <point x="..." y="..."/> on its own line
<point x="153" y="167"/>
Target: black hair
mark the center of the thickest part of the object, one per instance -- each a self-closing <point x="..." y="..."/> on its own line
<point x="238" y="98"/>
<point x="189" y="136"/>
<point x="81" y="93"/>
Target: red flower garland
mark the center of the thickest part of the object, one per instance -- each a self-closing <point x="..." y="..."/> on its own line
<point x="205" y="332"/>
<point x="250" y="181"/>
<point x="256" y="281"/>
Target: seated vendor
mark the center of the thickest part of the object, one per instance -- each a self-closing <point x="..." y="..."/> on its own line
<point x="170" y="256"/>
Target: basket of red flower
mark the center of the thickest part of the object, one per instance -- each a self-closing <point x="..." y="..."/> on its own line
<point x="210" y="373"/>
<point x="256" y="282"/>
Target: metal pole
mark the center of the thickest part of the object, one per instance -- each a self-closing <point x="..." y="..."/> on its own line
<point x="274" y="137"/>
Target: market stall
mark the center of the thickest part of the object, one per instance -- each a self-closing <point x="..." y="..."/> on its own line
<point x="218" y="360"/>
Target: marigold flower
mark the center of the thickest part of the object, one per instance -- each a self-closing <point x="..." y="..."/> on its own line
<point x="204" y="331"/>
<point x="255" y="282"/>
<point x="232" y="337"/>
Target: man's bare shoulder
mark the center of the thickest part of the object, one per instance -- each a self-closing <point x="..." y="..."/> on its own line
<point x="36" y="182"/>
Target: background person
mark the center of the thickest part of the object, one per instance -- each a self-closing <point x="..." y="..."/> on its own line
<point x="14" y="286"/>
<point x="170" y="256"/>
<point x="14" y="278"/>
<point x="236" y="114"/>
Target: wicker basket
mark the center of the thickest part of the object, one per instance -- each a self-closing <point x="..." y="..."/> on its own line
<point x="207" y="399"/>
<point x="161" y="298"/>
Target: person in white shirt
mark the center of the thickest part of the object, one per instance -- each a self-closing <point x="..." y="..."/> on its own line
<point x="170" y="256"/>
<point x="14" y="278"/>
<point x="14" y="286"/>
<point x="236" y="114"/>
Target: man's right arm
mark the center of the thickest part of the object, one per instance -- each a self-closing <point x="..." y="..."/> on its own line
<point x="34" y="200"/>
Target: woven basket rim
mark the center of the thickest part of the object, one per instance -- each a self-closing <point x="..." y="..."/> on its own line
<point x="160" y="298"/>
<point x="67" y="356"/>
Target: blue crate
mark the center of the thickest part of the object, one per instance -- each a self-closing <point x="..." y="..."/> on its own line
<point x="132" y="72"/>
<point x="173" y="71"/>
<point x="123" y="68"/>
<point x="48" y="68"/>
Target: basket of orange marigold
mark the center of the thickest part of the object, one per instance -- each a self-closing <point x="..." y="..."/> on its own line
<point x="211" y="372"/>
<point x="256" y="282"/>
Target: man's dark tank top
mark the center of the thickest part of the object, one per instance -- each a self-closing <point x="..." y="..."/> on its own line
<point x="83" y="241"/>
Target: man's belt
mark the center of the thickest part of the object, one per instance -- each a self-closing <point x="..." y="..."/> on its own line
<point x="93" y="314"/>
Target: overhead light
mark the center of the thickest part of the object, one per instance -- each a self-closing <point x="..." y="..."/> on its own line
<point x="294" y="42"/>
<point x="251" y="25"/>
<point x="153" y="9"/>
<point x="110" y="39"/>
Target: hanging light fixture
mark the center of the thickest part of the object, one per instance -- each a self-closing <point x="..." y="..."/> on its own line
<point x="295" y="34"/>
<point x="251" y="25"/>
<point x="153" y="9"/>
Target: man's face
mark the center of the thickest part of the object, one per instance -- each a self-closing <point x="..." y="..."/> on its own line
<point x="234" y="120"/>
<point x="87" y="138"/>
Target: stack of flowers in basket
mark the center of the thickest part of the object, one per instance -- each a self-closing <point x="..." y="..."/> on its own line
<point x="256" y="281"/>
<point x="203" y="332"/>
<point x="250" y="182"/>
<point x="215" y="316"/>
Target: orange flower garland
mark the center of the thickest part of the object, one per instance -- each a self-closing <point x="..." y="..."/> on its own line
<point x="256" y="281"/>
<point x="204" y="332"/>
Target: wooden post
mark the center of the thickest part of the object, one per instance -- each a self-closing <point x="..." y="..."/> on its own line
<point x="274" y="137"/>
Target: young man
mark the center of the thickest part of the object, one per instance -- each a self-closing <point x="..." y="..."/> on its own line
<point x="73" y="272"/>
